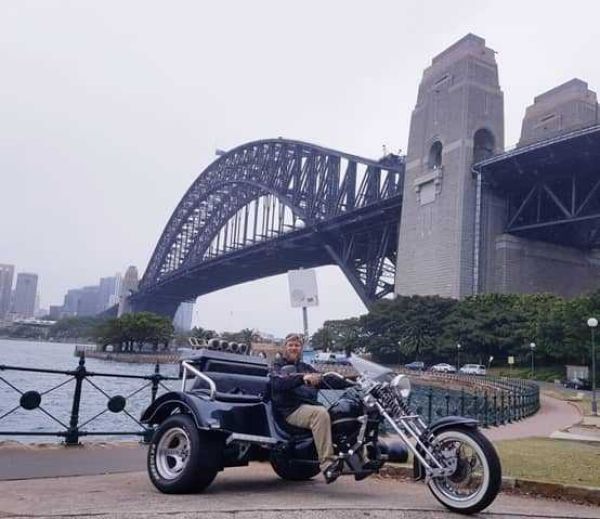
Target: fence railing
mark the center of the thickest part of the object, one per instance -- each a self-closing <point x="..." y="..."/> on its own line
<point x="492" y="401"/>
<point x="72" y="431"/>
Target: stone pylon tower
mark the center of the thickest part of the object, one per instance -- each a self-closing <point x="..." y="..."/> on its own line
<point x="458" y="120"/>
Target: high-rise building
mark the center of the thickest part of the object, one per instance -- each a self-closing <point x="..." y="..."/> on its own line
<point x="25" y="294"/>
<point x="183" y="317"/>
<point x="109" y="291"/>
<point x="71" y="304"/>
<point x="7" y="273"/>
<point x="89" y="301"/>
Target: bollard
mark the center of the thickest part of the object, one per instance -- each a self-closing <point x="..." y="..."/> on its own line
<point x="462" y="402"/>
<point x="447" y="398"/>
<point x="502" y="409"/>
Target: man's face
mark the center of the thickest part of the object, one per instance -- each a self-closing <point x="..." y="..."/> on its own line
<point x="293" y="350"/>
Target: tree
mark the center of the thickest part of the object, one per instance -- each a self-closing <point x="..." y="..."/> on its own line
<point x="406" y="328"/>
<point x="135" y="329"/>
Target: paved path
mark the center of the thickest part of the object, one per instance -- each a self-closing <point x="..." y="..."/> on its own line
<point x="252" y="492"/>
<point x="553" y="415"/>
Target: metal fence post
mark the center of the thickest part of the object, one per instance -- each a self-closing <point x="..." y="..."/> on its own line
<point x="72" y="435"/>
<point x="462" y="402"/>
<point x="502" y="409"/>
<point x="447" y="398"/>
<point x="155" y="380"/>
<point x="429" y="402"/>
<point x="495" y="409"/>
<point x="486" y="422"/>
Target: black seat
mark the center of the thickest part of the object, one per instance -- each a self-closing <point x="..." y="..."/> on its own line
<point x="238" y="378"/>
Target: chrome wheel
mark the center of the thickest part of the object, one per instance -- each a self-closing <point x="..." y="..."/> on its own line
<point x="472" y="484"/>
<point x="172" y="453"/>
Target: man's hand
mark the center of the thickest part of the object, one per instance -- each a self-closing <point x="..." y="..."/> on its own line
<point x="312" y="379"/>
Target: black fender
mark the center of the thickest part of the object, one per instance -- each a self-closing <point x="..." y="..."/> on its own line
<point x="447" y="422"/>
<point x="164" y="406"/>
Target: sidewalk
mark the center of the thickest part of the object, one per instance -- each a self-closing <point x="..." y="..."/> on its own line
<point x="33" y="462"/>
<point x="554" y="415"/>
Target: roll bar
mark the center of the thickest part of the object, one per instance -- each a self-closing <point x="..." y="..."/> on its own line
<point x="188" y="367"/>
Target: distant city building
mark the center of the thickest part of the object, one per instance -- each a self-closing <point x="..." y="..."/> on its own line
<point x="110" y="288"/>
<point x="71" y="304"/>
<point x="89" y="303"/>
<point x="56" y="312"/>
<point x="25" y="294"/>
<point x="129" y="284"/>
<point x="7" y="273"/>
<point x="183" y="317"/>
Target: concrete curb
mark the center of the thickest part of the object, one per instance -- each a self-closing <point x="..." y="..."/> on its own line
<point x="589" y="495"/>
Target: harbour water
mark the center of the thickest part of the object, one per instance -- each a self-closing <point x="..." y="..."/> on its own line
<point x="56" y="402"/>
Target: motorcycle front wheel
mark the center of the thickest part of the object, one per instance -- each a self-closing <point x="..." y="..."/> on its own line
<point x="478" y="475"/>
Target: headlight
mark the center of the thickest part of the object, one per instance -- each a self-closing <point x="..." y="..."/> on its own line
<point x="401" y="385"/>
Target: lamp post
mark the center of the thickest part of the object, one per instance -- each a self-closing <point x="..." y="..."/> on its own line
<point x="532" y="347"/>
<point x="592" y="322"/>
<point x="458" y="347"/>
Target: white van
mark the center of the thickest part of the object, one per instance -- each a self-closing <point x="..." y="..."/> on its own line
<point x="473" y="369"/>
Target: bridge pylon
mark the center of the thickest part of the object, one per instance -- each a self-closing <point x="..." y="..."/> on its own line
<point x="458" y="120"/>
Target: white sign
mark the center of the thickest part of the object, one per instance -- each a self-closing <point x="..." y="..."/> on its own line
<point x="511" y="360"/>
<point x="303" y="288"/>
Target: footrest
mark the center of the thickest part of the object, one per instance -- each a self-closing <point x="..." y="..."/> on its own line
<point x="249" y="438"/>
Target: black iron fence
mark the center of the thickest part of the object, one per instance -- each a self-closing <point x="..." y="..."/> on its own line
<point x="74" y="428"/>
<point x="492" y="401"/>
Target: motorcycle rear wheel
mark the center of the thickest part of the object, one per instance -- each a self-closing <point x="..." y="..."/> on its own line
<point x="175" y="457"/>
<point x="478" y="467"/>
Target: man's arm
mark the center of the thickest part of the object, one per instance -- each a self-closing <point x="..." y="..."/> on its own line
<point x="285" y="381"/>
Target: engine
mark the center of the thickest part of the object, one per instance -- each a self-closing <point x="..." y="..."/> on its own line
<point x="344" y="417"/>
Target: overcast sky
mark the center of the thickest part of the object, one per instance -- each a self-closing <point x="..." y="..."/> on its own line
<point x="110" y="109"/>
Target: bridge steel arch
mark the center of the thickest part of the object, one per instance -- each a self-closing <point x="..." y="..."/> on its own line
<point x="271" y="205"/>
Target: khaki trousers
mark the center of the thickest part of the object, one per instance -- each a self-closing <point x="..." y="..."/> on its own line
<point x="316" y="418"/>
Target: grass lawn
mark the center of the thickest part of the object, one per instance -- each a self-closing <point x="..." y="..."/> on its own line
<point x="557" y="461"/>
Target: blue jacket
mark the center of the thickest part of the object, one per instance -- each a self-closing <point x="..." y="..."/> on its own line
<point x="288" y="389"/>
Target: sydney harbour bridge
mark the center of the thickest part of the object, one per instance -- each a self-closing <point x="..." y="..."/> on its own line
<point x="457" y="216"/>
<point x="273" y="205"/>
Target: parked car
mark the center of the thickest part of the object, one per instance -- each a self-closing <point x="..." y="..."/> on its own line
<point x="473" y="369"/>
<point x="417" y="365"/>
<point x="443" y="368"/>
<point x="577" y="383"/>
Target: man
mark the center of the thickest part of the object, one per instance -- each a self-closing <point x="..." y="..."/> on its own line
<point x="295" y="387"/>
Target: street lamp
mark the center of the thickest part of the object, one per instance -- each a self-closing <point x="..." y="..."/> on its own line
<point x="592" y="322"/>
<point x="532" y="347"/>
<point x="458" y="347"/>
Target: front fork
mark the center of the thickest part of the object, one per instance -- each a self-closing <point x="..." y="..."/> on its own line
<point x="420" y="440"/>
